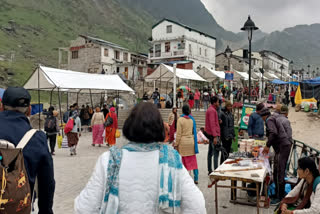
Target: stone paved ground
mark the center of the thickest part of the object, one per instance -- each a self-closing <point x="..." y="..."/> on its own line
<point x="72" y="174"/>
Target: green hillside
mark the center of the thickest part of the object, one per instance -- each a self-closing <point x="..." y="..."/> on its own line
<point x="39" y="27"/>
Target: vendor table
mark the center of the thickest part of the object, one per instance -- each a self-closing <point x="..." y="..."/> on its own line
<point x="240" y="173"/>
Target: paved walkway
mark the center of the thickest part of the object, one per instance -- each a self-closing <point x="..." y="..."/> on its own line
<point x="72" y="174"/>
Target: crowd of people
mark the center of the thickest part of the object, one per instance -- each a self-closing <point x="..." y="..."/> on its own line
<point x="160" y="181"/>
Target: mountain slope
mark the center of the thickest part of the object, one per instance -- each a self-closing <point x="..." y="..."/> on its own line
<point x="300" y="43"/>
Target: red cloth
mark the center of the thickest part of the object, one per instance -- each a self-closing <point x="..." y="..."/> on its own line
<point x="97" y="132"/>
<point x="292" y="94"/>
<point x="212" y="122"/>
<point x="191" y="103"/>
<point x="190" y="162"/>
<point x="172" y="131"/>
<point x="111" y="130"/>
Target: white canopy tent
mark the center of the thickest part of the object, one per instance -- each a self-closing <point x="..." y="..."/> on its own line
<point x="46" y="78"/>
<point x="211" y="75"/>
<point x="165" y="73"/>
<point x="244" y="75"/>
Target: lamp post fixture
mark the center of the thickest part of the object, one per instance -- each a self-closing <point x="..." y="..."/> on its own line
<point x="249" y="26"/>
<point x="228" y="54"/>
<point x="314" y="74"/>
<point x="317" y="71"/>
<point x="281" y="68"/>
<point x="308" y="71"/>
<point x="291" y="64"/>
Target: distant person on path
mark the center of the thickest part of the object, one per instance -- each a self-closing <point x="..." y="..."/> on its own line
<point x="197" y="96"/>
<point x="14" y="124"/>
<point x="279" y="135"/>
<point x="105" y="110"/>
<point x="292" y="96"/>
<point x="191" y="99"/>
<point x="155" y="96"/>
<point x="186" y="141"/>
<point x="256" y="125"/>
<point x="227" y="130"/>
<point x="180" y="98"/>
<point x="305" y="197"/>
<point x="51" y="127"/>
<point x="206" y="100"/>
<point x="172" y="122"/>
<point x="145" y="97"/>
<point x="97" y="122"/>
<point x="286" y="94"/>
<point x="74" y="134"/>
<point x="213" y="129"/>
<point x="111" y="129"/>
<point x="66" y="115"/>
<point x="159" y="179"/>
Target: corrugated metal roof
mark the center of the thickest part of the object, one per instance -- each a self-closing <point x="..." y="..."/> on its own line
<point x="103" y="42"/>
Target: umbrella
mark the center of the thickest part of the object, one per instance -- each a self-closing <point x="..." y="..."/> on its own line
<point x="184" y="88"/>
<point x="1" y="93"/>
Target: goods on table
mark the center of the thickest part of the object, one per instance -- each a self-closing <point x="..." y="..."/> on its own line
<point x="247" y="145"/>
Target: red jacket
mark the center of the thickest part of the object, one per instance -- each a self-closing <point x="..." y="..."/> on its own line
<point x="212" y="122"/>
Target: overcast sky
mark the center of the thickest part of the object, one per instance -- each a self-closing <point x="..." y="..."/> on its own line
<point x="268" y="15"/>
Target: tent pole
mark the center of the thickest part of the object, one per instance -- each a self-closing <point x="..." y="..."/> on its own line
<point x="91" y="98"/>
<point x="51" y="97"/>
<point x="160" y="81"/>
<point x="39" y="96"/>
<point x="117" y="108"/>
<point x="174" y="84"/>
<point x="59" y="97"/>
<point x="67" y="101"/>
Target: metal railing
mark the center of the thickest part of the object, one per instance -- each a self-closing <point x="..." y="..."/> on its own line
<point x="299" y="150"/>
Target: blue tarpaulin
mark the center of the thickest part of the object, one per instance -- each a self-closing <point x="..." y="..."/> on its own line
<point x="315" y="81"/>
<point x="294" y="83"/>
<point x="279" y="82"/>
<point x="35" y="108"/>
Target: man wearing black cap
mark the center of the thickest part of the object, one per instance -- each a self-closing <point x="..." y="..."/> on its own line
<point x="279" y="135"/>
<point x="13" y="126"/>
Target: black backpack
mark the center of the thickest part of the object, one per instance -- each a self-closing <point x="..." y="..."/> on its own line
<point x="206" y="97"/>
<point x="108" y="122"/>
<point x="191" y="97"/>
<point x="50" y="124"/>
<point x="179" y="94"/>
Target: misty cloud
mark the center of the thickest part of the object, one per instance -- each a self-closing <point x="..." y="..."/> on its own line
<point x="268" y="15"/>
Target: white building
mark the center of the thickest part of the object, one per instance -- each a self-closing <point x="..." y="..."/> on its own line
<point x="272" y="62"/>
<point x="173" y="41"/>
<point x="93" y="55"/>
<point x="256" y="59"/>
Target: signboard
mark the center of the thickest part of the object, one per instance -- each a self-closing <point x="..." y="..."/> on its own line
<point x="229" y="75"/>
<point x="247" y="110"/>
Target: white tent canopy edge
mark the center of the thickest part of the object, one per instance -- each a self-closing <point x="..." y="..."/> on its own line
<point x="46" y="78"/>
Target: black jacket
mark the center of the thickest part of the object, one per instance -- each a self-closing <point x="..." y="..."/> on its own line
<point x="38" y="160"/>
<point x="227" y="126"/>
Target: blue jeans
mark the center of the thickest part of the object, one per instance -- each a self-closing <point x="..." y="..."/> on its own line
<point x="205" y="105"/>
<point x="156" y="101"/>
<point x="212" y="151"/>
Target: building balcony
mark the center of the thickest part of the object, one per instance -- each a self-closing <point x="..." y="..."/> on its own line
<point x="160" y="55"/>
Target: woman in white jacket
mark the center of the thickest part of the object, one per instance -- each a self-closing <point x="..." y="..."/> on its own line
<point x="144" y="176"/>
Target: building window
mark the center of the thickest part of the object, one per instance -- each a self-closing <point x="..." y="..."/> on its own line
<point x="167" y="47"/>
<point x="117" y="55"/>
<point x="199" y="51"/>
<point x="75" y="54"/>
<point x="169" y="28"/>
<point x="125" y="57"/>
<point x="157" y="48"/>
<point x="118" y="69"/>
<point x="190" y="49"/>
<point x="106" y="52"/>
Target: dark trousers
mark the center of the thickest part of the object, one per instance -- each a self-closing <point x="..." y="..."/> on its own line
<point x="279" y="170"/>
<point x="212" y="151"/>
<point x="226" y="143"/>
<point x="292" y="102"/>
<point x="52" y="141"/>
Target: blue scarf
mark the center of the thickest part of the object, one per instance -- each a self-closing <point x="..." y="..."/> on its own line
<point x="170" y="169"/>
<point x="196" y="150"/>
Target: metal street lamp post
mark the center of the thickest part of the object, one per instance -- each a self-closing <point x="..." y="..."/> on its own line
<point x="281" y="68"/>
<point x="314" y="74"/>
<point x="291" y="64"/>
<point x="249" y="26"/>
<point x="302" y="75"/>
<point x="317" y="71"/>
<point x="228" y="54"/>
